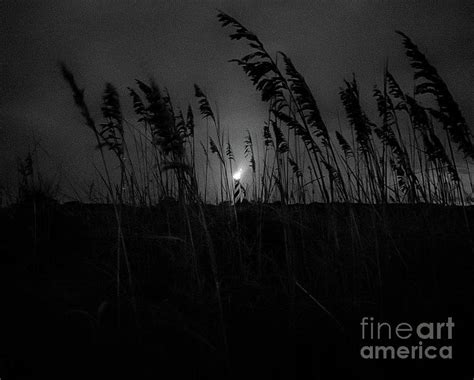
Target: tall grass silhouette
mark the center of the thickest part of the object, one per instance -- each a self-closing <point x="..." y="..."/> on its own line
<point x="410" y="154"/>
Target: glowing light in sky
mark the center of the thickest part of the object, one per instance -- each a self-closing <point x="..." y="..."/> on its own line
<point x="237" y="175"/>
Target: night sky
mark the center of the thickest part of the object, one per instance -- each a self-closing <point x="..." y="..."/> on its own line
<point x="180" y="43"/>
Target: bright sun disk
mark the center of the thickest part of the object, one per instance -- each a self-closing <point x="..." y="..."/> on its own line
<point x="237" y="174"/>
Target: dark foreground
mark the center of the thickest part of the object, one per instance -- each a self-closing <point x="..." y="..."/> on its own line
<point x="295" y="284"/>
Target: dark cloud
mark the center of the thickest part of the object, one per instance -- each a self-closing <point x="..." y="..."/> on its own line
<point x="180" y="43"/>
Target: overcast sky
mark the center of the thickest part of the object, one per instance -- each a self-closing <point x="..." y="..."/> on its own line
<point x="181" y="43"/>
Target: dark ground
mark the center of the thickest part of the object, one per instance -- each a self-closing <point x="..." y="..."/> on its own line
<point x="397" y="263"/>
